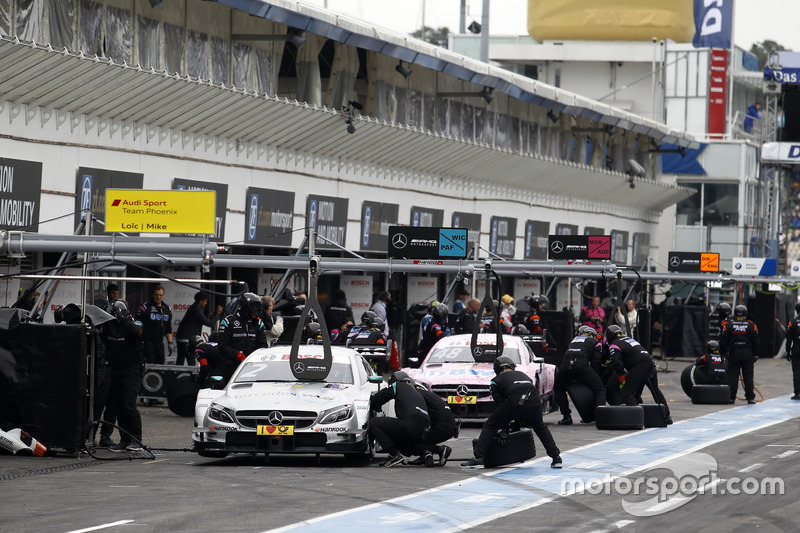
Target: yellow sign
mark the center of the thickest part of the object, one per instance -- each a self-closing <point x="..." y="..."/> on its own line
<point x="462" y="400"/>
<point x="136" y="210"/>
<point x="709" y="262"/>
<point x="276" y="431"/>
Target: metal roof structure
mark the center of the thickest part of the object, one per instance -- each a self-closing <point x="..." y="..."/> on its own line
<point x="34" y="75"/>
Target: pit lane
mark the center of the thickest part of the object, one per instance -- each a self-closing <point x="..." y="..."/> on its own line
<point x="179" y="491"/>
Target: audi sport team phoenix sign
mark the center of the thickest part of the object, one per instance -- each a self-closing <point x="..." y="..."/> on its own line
<point x="181" y="211"/>
<point x="413" y="242"/>
<point x="576" y="247"/>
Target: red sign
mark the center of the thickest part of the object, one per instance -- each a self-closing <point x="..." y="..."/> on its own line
<point x="717" y="93"/>
<point x="599" y="247"/>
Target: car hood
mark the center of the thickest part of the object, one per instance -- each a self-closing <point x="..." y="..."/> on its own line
<point x="450" y="372"/>
<point x="299" y="396"/>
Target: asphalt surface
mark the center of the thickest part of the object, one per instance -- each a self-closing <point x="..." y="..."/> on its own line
<point x="179" y="491"/>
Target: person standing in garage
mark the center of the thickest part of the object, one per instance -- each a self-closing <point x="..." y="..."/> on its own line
<point x="793" y="350"/>
<point x="156" y="319"/>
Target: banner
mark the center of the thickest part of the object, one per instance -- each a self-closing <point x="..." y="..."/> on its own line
<point x="425" y="217"/>
<point x="376" y="218"/>
<point x="221" y="205"/>
<point x="270" y="217"/>
<point x="536" y="234"/>
<point x="754" y="266"/>
<point x="422" y="289"/>
<point x="471" y="221"/>
<point x="91" y="185"/>
<point x="783" y="67"/>
<point x="717" y="91"/>
<point x="20" y="194"/>
<point x="328" y="216"/>
<point x="359" y="293"/>
<point x="503" y="236"/>
<point x="713" y="22"/>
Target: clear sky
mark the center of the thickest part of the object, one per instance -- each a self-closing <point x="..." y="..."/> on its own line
<point x="754" y="20"/>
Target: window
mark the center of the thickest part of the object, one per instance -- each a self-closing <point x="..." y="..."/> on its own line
<point x="715" y="204"/>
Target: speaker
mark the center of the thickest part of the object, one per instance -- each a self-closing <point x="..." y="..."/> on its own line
<point x="157" y="378"/>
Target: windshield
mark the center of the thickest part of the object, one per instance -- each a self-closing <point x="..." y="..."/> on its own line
<point x="462" y="354"/>
<point x="261" y="371"/>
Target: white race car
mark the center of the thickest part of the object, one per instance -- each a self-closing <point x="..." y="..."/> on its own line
<point x="264" y="409"/>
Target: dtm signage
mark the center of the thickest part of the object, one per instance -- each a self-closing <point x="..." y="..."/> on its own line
<point x="407" y="242"/>
<point x="781" y="152"/>
<point x="160" y="211"/>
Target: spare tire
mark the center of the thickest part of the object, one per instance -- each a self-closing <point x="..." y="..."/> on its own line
<point x="182" y="395"/>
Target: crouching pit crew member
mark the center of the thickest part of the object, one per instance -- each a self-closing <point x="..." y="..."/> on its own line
<point x="517" y="401"/>
<point x="443" y="427"/>
<point x="399" y="436"/>
<point x="576" y="365"/>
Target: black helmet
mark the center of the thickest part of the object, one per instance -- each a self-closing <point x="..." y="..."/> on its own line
<point x="312" y="332"/>
<point x="504" y="362"/>
<point x="740" y="310"/>
<point x="519" y="329"/>
<point x="368" y="317"/>
<point x="251" y="305"/>
<point x="542" y="299"/>
<point x="194" y="342"/>
<point x="712" y="347"/>
<point x="378" y="323"/>
<point x="120" y="309"/>
<point x="419" y="385"/>
<point x="613" y="332"/>
<point x="724" y="308"/>
<point x="400" y="376"/>
<point x="587" y="331"/>
<point x="440" y="310"/>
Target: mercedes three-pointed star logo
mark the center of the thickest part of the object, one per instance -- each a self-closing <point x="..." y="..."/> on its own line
<point x="478" y="351"/>
<point x="674" y="261"/>
<point x="399" y="240"/>
<point x="299" y="367"/>
<point x="557" y="247"/>
<point x="462" y="390"/>
<point x="275" y="418"/>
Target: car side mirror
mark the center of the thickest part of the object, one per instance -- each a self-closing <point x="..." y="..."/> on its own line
<point x="375" y="379"/>
<point x="216" y="382"/>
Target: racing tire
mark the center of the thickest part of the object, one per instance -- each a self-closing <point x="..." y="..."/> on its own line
<point x="583" y="399"/>
<point x="619" y="417"/>
<point x="711" y="394"/>
<point x="655" y="415"/>
<point x="520" y="448"/>
<point x="182" y="396"/>
<point x="686" y="380"/>
<point x="212" y="454"/>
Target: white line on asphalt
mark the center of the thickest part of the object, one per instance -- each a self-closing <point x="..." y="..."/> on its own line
<point x="787" y="453"/>
<point x="623" y="523"/>
<point x="101" y="526"/>
<point x="751" y="467"/>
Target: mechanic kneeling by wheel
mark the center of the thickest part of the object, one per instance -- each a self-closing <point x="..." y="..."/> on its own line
<point x="576" y="365"/>
<point x="443" y="427"/>
<point x="517" y="401"/>
<point x="399" y="436"/>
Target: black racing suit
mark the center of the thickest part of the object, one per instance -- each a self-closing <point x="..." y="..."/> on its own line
<point x="212" y="363"/>
<point x="576" y="365"/>
<point x="443" y="422"/>
<point x="237" y="334"/>
<point x="403" y="433"/>
<point x="711" y="369"/>
<point x="629" y="359"/>
<point x="156" y="323"/>
<point x="739" y="343"/>
<point x="793" y="350"/>
<point x="369" y="336"/>
<point x="123" y="344"/>
<point x="337" y="314"/>
<point x="430" y="336"/>
<point x="191" y="325"/>
<point x="517" y="400"/>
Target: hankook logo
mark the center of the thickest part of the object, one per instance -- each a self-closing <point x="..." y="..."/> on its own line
<point x="275" y="418"/>
<point x="399" y="241"/>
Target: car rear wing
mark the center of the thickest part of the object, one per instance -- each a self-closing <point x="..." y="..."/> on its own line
<point x="375" y="352"/>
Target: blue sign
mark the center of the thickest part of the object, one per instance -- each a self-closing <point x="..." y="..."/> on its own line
<point x="453" y="242"/>
<point x="713" y="22"/>
<point x="252" y="222"/>
<point x="783" y="67"/>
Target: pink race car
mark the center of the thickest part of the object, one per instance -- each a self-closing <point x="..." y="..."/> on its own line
<point x="451" y="371"/>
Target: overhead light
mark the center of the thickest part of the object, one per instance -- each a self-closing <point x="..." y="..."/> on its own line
<point x="631" y="184"/>
<point x="552" y="116"/>
<point x="488" y="94"/>
<point x="634" y="169"/>
<point x="296" y="37"/>
<point x="475" y="27"/>
<point x="403" y="71"/>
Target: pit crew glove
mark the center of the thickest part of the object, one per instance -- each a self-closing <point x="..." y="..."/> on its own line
<point x="241" y="356"/>
<point x="502" y="438"/>
<point x="169" y="349"/>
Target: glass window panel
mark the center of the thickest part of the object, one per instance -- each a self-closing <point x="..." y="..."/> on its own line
<point x="400" y="115"/>
<point x="468" y="122"/>
<point x="721" y="204"/>
<point x="501" y="134"/>
<point x="198" y="55"/>
<point x="148" y="44"/>
<point x="243" y="66"/>
<point x="429" y="106"/>
<point x="264" y="71"/>
<point x="89" y="34"/>
<point x="62" y="17"/>
<point x="455" y="120"/>
<point x="688" y="211"/>
<point x="118" y="34"/>
<point x="441" y="115"/>
<point x="220" y="60"/>
<point x="173" y="49"/>
<point x="5" y="17"/>
<point x="414" y="109"/>
<point x="513" y="134"/>
<point x="30" y="15"/>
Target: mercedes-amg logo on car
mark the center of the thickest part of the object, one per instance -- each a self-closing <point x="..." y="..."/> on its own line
<point x="462" y="390"/>
<point x="477" y="351"/>
<point x="275" y="418"/>
<point x="299" y="367"/>
<point x="399" y="241"/>
<point x="557" y="247"/>
<point x="674" y="261"/>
